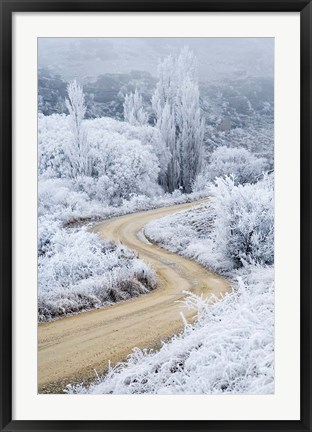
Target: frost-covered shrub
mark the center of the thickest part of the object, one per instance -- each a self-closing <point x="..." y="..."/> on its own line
<point x="226" y="161"/>
<point x="54" y="137"/>
<point x="243" y="227"/>
<point x="129" y="166"/>
<point x="230" y="349"/>
<point x="47" y="228"/>
<point x="58" y="198"/>
<point x="147" y="135"/>
<point x="78" y="271"/>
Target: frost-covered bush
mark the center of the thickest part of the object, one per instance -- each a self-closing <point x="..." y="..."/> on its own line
<point x="147" y="135"/>
<point x="226" y="161"/>
<point x="129" y="167"/>
<point x="243" y="228"/>
<point x="78" y="271"/>
<point x="47" y="229"/>
<point x="54" y="137"/>
<point x="230" y="349"/>
<point x="57" y="196"/>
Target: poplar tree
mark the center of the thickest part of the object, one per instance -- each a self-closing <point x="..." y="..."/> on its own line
<point x="176" y="107"/>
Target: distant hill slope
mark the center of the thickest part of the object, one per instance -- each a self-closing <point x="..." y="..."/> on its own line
<point x="104" y="96"/>
<point x="231" y="102"/>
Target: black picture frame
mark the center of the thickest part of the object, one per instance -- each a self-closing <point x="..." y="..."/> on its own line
<point x="7" y="9"/>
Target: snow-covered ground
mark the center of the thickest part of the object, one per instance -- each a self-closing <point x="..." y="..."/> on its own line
<point x="230" y="349"/>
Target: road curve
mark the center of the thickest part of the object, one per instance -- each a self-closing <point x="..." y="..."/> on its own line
<point x="72" y="348"/>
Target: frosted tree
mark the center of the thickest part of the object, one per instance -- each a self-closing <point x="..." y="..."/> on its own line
<point x="134" y="112"/>
<point x="191" y="136"/>
<point x="238" y="162"/>
<point x="176" y="107"/>
<point x="78" y="149"/>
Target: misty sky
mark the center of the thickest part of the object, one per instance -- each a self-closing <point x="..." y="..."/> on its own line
<point x="218" y="58"/>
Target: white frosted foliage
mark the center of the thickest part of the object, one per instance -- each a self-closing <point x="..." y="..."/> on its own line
<point x="176" y="107"/>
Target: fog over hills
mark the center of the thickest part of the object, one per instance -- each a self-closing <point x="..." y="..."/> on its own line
<point x="218" y="58"/>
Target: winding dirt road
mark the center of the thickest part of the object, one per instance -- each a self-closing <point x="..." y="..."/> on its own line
<point x="72" y="348"/>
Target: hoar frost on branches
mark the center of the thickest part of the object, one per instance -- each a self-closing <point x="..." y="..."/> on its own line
<point x="134" y="112"/>
<point x="78" y="149"/>
<point x="176" y="106"/>
<point x="244" y="220"/>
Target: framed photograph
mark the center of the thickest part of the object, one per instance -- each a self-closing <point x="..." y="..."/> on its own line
<point x="155" y="215"/>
